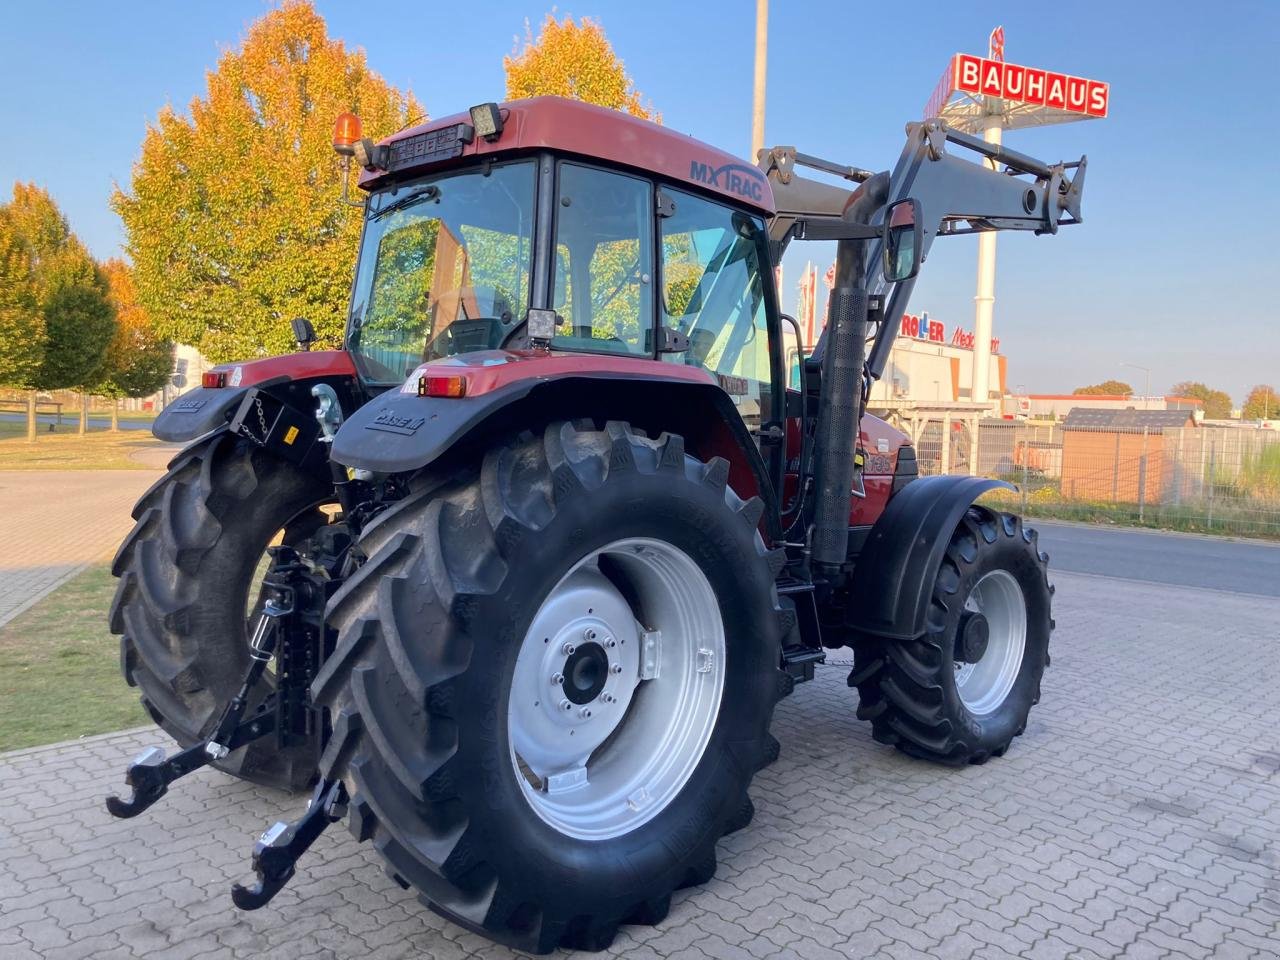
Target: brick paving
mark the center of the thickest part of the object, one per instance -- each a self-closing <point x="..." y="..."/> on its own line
<point x="1138" y="817"/>
<point x="57" y="522"/>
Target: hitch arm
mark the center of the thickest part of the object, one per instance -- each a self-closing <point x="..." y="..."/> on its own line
<point x="151" y="771"/>
<point x="276" y="854"/>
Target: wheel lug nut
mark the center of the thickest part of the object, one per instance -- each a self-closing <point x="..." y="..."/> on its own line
<point x="611" y="643"/>
<point x="616" y="668"/>
<point x="589" y="634"/>
<point x="566" y="705"/>
<point x="607" y="697"/>
<point x="557" y="679"/>
<point x="584" y="713"/>
<point x="568" y="649"/>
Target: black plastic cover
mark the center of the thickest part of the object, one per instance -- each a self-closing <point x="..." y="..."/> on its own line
<point x="894" y="573"/>
<point x="398" y="432"/>
<point x="197" y="412"/>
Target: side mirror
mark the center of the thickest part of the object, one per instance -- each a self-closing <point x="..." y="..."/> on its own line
<point x="303" y="332"/>
<point x="902" y="240"/>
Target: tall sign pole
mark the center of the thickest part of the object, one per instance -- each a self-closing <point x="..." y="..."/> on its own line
<point x="757" y="106"/>
<point x="987" y="95"/>
<point x="985" y="297"/>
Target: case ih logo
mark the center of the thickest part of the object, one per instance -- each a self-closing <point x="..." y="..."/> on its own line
<point x="389" y="422"/>
<point x="736" y="178"/>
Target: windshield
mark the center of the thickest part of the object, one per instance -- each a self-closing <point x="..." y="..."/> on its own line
<point x="444" y="268"/>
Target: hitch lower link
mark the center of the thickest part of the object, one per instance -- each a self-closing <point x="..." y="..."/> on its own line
<point x="151" y="771"/>
<point x="281" y="631"/>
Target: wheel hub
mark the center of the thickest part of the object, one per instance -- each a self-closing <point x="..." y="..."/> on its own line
<point x="991" y="638"/>
<point x="586" y="672"/>
<point x="975" y="633"/>
<point x="612" y="705"/>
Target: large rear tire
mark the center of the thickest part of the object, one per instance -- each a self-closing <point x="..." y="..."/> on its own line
<point x="532" y="582"/>
<point x="961" y="692"/>
<point x="187" y="573"/>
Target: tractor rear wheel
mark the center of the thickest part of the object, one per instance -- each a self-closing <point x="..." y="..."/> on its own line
<point x="553" y="683"/>
<point x="189" y="574"/>
<point x="961" y="692"/>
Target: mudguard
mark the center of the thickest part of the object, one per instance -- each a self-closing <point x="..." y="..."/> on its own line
<point x="197" y="412"/>
<point x="893" y="577"/>
<point x="399" y="432"/>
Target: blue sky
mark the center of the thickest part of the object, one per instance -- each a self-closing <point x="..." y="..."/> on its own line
<point x="1174" y="268"/>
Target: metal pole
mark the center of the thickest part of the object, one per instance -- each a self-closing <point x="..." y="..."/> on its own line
<point x="985" y="298"/>
<point x="757" y="108"/>
<point x="1142" y="478"/>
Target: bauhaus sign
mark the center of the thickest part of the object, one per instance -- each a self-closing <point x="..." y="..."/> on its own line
<point x="1010" y="81"/>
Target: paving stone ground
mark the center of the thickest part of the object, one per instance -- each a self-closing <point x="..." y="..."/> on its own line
<point x="57" y="522"/>
<point x="1138" y="817"/>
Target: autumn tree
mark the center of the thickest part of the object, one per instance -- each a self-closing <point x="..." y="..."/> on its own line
<point x="1108" y="388"/>
<point x="1263" y="403"/>
<point x="233" y="218"/>
<point x="138" y="361"/>
<point x="70" y="297"/>
<point x="1216" y="403"/>
<point x="21" y="323"/>
<point x="574" y="60"/>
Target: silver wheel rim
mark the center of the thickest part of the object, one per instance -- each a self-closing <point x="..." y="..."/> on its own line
<point x="601" y="768"/>
<point x="984" y="685"/>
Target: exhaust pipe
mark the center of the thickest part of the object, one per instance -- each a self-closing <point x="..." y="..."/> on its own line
<point x="840" y="405"/>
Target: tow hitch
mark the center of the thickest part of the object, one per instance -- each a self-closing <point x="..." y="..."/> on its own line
<point x="286" y="630"/>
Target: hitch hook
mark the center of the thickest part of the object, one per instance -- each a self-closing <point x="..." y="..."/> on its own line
<point x="147" y="777"/>
<point x="276" y="854"/>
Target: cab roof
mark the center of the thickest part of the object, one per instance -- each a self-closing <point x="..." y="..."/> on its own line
<point x="592" y="132"/>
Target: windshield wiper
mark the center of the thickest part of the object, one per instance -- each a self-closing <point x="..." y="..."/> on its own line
<point x="430" y="193"/>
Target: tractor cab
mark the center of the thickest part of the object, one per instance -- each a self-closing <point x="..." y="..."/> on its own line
<point x="654" y="247"/>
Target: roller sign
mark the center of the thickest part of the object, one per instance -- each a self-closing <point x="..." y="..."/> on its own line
<point x="983" y="76"/>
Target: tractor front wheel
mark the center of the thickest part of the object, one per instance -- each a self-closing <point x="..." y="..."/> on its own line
<point x="553" y="683"/>
<point x="961" y="692"/>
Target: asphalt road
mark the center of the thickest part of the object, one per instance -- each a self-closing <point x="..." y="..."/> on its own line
<point x="1174" y="559"/>
<point x="71" y="417"/>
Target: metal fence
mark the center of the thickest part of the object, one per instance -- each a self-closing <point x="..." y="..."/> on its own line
<point x="1208" y="479"/>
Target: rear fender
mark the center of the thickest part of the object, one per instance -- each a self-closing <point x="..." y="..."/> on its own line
<point x="401" y="432"/>
<point x="893" y="575"/>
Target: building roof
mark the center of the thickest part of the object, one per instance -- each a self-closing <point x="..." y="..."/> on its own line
<point x="1112" y="397"/>
<point x="1154" y="421"/>
<point x="595" y="133"/>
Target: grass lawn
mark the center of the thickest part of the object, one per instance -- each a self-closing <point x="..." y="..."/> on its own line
<point x="60" y="668"/>
<point x="66" y="450"/>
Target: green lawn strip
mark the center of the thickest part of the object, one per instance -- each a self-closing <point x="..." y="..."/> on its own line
<point x="67" y="450"/>
<point x="60" y="668"/>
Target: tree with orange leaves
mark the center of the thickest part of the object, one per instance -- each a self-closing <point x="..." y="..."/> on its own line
<point x="233" y="216"/>
<point x="138" y="362"/>
<point x="573" y="60"/>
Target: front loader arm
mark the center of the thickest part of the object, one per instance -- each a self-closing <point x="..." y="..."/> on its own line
<point x="957" y="195"/>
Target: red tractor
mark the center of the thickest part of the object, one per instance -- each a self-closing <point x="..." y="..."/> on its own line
<point x="514" y="580"/>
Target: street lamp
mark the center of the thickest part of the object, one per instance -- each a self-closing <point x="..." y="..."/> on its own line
<point x="1146" y="393"/>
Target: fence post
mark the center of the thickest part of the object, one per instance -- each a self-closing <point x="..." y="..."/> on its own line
<point x="1142" y="478"/>
<point x="945" y="466"/>
<point x="1212" y="450"/>
<point x="1026" y="455"/>
<point x="1115" y="471"/>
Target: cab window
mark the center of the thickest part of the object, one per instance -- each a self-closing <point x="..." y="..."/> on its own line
<point x="604" y="261"/>
<point x="713" y="293"/>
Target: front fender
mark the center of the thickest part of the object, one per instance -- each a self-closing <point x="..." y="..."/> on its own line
<point x="893" y="576"/>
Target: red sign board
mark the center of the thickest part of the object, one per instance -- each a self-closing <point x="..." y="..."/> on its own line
<point x="921" y="327"/>
<point x="985" y="76"/>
